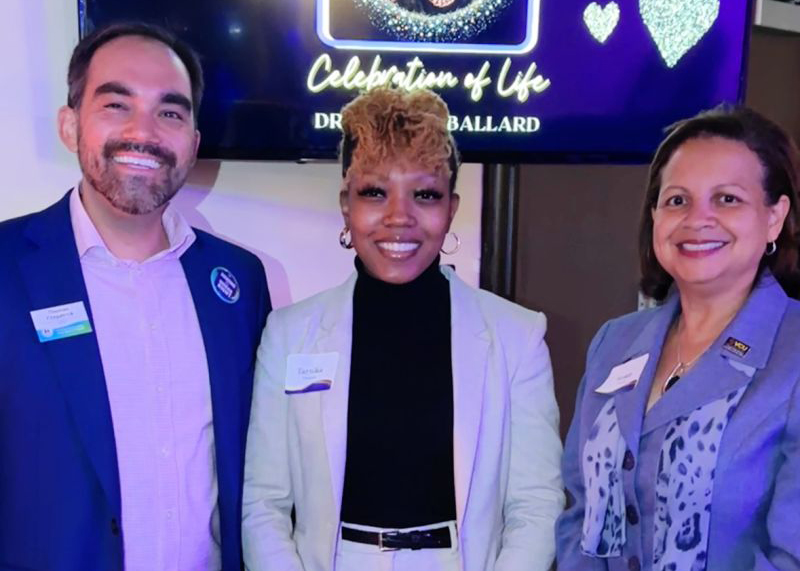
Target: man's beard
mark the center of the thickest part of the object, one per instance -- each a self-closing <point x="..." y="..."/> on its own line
<point x="133" y="194"/>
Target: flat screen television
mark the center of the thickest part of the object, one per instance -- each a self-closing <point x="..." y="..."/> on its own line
<point x="525" y="80"/>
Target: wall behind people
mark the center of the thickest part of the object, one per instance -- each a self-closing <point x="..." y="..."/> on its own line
<point x="577" y="257"/>
<point x="773" y="77"/>
<point x="286" y="213"/>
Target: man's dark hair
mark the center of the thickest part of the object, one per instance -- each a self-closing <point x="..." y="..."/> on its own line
<point x="86" y="48"/>
<point x="779" y="160"/>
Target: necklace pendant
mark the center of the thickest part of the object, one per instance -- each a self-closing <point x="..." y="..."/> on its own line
<point x="671" y="382"/>
<point x="673" y="377"/>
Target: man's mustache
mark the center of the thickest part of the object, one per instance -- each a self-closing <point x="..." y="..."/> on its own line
<point x="164" y="155"/>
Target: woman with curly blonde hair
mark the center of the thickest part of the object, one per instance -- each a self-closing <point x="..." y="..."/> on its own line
<point x="406" y="418"/>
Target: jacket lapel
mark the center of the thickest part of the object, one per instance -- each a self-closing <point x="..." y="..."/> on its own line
<point x="731" y="362"/>
<point x="52" y="273"/>
<point x="470" y="349"/>
<point x="631" y="403"/>
<point x="214" y="317"/>
<point x="336" y="336"/>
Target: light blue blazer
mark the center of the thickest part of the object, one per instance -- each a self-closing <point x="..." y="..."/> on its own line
<point x="755" y="508"/>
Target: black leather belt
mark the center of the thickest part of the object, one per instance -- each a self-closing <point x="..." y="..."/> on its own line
<point x="388" y="540"/>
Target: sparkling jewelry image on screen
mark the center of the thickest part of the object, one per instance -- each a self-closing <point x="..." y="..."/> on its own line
<point x="437" y="26"/>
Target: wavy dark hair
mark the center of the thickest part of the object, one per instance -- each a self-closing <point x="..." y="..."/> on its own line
<point x="780" y="161"/>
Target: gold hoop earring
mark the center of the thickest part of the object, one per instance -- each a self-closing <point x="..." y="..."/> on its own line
<point x="345" y="238"/>
<point x="455" y="249"/>
<point x="772" y="247"/>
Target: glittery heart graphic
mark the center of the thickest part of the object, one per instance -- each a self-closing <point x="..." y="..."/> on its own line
<point x="601" y="21"/>
<point x="677" y="25"/>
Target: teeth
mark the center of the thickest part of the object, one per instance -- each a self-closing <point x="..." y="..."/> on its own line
<point x="702" y="247"/>
<point x="137" y="161"/>
<point x="398" y="246"/>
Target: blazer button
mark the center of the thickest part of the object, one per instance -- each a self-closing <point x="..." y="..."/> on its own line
<point x="633" y="564"/>
<point x="114" y="526"/>
<point x="630" y="513"/>
<point x="628" y="461"/>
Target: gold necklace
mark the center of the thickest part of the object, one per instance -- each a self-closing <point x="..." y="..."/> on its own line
<point x="680" y="367"/>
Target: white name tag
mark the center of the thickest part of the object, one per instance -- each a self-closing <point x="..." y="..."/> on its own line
<point x="61" y="321"/>
<point x="306" y="373"/>
<point x="625" y="375"/>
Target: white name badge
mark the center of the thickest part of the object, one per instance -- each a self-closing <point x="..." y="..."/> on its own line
<point x="61" y="321"/>
<point x="625" y="375"/>
<point x="307" y="373"/>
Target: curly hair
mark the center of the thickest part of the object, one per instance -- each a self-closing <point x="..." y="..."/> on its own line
<point x="386" y="123"/>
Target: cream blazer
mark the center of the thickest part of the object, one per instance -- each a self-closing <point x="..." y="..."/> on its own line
<point x="505" y="436"/>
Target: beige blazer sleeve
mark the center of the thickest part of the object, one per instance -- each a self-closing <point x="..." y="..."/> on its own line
<point x="267" y="498"/>
<point x="534" y="497"/>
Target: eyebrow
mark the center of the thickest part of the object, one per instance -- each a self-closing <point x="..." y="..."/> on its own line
<point x="175" y="98"/>
<point x="169" y="98"/>
<point x="716" y="187"/>
<point x="112" y="87"/>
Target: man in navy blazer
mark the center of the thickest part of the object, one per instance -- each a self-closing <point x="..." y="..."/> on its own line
<point x="128" y="338"/>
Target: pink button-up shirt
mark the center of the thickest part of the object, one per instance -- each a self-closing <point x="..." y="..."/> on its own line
<point x="157" y="379"/>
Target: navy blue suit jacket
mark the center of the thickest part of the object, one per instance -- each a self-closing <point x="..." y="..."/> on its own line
<point x="59" y="483"/>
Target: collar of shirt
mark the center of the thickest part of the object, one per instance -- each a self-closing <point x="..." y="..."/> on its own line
<point x="179" y="234"/>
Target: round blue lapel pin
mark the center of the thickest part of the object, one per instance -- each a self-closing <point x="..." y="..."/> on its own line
<point x="224" y="284"/>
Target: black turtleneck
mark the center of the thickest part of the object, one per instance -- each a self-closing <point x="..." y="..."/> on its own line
<point x="399" y="470"/>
